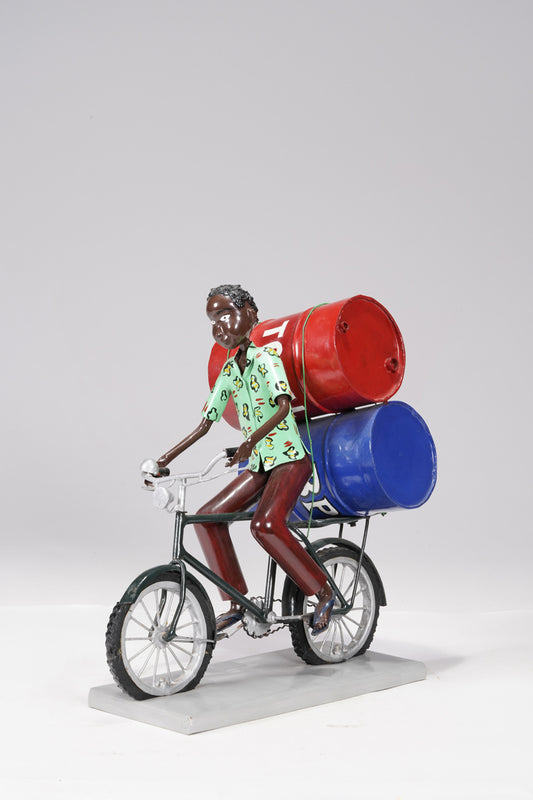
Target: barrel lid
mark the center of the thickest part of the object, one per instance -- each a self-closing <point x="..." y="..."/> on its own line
<point x="370" y="347"/>
<point x="404" y="455"/>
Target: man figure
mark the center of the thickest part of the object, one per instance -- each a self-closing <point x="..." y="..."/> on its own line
<point x="278" y="464"/>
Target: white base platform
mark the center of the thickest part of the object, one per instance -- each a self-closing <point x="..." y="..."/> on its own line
<point x="260" y="686"/>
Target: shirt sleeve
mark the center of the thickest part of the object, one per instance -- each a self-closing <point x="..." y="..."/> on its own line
<point x="218" y="399"/>
<point x="275" y="373"/>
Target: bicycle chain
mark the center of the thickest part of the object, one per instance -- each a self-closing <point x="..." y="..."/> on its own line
<point x="259" y="601"/>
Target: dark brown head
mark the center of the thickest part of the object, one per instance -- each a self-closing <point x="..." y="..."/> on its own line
<point x="233" y="315"/>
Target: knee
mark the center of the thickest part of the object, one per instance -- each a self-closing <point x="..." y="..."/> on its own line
<point x="208" y="508"/>
<point x="262" y="528"/>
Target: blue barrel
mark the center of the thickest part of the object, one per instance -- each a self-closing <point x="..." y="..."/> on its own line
<point x="367" y="461"/>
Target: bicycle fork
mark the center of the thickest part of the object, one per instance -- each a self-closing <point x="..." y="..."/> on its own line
<point x="176" y="552"/>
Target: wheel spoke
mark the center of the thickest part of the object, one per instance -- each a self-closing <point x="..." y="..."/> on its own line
<point x="176" y="659"/>
<point x="347" y="616"/>
<point x="347" y="629"/>
<point x="141" y="651"/>
<point x="152" y="622"/>
<point x="350" y="629"/>
<point x="168" y="666"/>
<point x="349" y="587"/>
<point x="325" y="639"/>
<point x="330" y="631"/>
<point x="146" y="628"/>
<point x="342" y="577"/>
<point x="339" y="628"/>
<point x="187" y="639"/>
<point x="172" y="644"/>
<point x="147" y="660"/>
<point x="156" y="664"/>
<point x="185" y="625"/>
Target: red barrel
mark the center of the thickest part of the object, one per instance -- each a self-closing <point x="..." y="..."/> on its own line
<point x="353" y="354"/>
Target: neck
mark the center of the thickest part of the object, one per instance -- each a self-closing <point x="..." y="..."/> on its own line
<point x="240" y="355"/>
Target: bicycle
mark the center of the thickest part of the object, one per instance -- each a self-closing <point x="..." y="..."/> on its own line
<point x="162" y="632"/>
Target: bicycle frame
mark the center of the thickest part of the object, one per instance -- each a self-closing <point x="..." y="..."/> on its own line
<point x="182" y="558"/>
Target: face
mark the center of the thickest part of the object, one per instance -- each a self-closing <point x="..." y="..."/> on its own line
<point x="231" y="325"/>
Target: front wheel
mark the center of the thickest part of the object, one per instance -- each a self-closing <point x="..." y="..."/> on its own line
<point x="143" y="663"/>
<point x="347" y="635"/>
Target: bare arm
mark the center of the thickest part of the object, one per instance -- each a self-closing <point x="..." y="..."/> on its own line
<point x="193" y="437"/>
<point x="245" y="450"/>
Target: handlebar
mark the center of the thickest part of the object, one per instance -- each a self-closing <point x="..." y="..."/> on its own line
<point x="159" y="480"/>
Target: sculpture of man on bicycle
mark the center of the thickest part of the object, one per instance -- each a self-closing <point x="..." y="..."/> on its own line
<point x="278" y="463"/>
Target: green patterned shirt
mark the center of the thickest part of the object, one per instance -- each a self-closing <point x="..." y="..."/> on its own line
<point x="254" y="393"/>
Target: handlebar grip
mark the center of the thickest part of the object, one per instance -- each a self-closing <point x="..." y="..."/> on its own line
<point x="230" y="451"/>
<point x="151" y="467"/>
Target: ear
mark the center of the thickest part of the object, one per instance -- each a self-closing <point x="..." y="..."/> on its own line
<point x="252" y="315"/>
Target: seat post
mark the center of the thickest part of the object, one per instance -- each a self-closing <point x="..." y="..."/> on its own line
<point x="270" y="582"/>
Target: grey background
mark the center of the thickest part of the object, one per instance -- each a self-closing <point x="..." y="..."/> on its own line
<point x="310" y="151"/>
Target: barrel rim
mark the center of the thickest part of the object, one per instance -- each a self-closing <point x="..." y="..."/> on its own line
<point x="429" y="438"/>
<point x="340" y="343"/>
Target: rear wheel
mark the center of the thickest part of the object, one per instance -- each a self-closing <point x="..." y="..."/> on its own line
<point x="347" y="635"/>
<point x="143" y="663"/>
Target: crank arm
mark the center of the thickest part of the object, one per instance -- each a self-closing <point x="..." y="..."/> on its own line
<point x="294" y="618"/>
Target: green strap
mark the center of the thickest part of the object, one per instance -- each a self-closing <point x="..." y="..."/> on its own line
<point x="307" y="417"/>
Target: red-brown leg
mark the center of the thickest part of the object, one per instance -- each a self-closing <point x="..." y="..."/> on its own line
<point x="215" y="538"/>
<point x="269" y="525"/>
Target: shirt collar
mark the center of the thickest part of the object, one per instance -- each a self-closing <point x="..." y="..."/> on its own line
<point x="249" y="357"/>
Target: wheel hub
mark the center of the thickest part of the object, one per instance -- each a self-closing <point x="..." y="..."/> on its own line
<point x="158" y="636"/>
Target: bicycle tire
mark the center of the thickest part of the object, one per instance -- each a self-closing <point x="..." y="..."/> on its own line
<point x="347" y="635"/>
<point x="136" y="629"/>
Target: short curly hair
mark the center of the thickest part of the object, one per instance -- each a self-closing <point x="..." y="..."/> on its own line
<point x="236" y="294"/>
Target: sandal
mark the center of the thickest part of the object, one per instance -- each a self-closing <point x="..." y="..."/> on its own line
<point x="325" y="612"/>
<point x="228" y="619"/>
